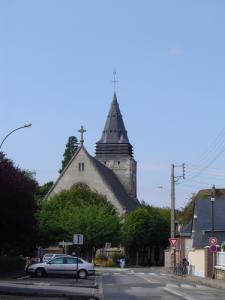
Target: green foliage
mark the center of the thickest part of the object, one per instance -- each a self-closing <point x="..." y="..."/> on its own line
<point x="70" y="150"/>
<point x="146" y="226"/>
<point x="79" y="210"/>
<point x="17" y="213"/>
<point x="42" y="190"/>
<point x="11" y="264"/>
<point x="223" y="246"/>
<point x="186" y="213"/>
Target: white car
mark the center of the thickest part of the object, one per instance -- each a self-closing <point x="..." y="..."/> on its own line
<point x="63" y="265"/>
<point x="49" y="256"/>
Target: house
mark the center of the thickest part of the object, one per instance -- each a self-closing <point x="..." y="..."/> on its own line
<point x="208" y="220"/>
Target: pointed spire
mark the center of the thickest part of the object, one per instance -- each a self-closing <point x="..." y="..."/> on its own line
<point x="114" y="133"/>
<point x="114" y="130"/>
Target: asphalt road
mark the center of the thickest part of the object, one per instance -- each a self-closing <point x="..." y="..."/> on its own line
<point x="141" y="284"/>
<point x="113" y="283"/>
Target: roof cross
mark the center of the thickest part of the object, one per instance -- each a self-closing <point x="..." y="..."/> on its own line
<point x="114" y="80"/>
<point x="82" y="131"/>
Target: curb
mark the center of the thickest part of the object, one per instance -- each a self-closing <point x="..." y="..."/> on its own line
<point x="46" y="293"/>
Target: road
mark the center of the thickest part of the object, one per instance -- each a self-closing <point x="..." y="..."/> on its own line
<point x="140" y="284"/>
<point x="113" y="283"/>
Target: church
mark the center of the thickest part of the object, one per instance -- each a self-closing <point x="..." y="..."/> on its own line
<point x="113" y="170"/>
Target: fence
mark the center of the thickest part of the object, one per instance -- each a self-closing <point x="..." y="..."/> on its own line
<point x="220" y="259"/>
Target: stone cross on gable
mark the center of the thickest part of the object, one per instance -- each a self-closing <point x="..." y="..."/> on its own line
<point x="82" y="131"/>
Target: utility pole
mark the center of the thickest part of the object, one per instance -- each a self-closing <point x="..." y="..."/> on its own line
<point x="213" y="198"/>
<point x="174" y="180"/>
<point x="172" y="213"/>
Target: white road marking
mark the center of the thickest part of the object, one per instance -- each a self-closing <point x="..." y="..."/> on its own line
<point x="41" y="283"/>
<point x="172" y="285"/>
<point x="187" y="286"/>
<point x="176" y="293"/>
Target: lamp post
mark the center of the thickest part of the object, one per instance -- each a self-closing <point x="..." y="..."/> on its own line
<point x="24" y="126"/>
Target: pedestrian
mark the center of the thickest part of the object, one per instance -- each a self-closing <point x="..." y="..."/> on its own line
<point x="185" y="264"/>
<point x="122" y="263"/>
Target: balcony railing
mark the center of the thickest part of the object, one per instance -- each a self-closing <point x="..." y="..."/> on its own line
<point x="220" y="259"/>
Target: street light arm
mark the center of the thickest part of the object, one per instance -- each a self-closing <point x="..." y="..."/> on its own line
<point x="24" y="126"/>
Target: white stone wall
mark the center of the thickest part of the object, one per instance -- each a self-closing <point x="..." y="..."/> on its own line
<point x="197" y="262"/>
<point x="126" y="171"/>
<point x="90" y="176"/>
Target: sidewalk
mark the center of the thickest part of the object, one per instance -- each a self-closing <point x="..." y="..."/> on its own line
<point x="216" y="283"/>
<point x="20" y="288"/>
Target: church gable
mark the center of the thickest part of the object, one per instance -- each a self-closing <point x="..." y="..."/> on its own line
<point x="85" y="170"/>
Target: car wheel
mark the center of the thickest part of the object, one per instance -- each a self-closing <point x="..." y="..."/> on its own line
<point x="82" y="274"/>
<point x="40" y="272"/>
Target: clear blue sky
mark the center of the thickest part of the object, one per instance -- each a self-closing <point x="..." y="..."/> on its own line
<point x="56" y="65"/>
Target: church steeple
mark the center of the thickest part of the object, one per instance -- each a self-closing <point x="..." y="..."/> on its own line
<point x="114" y="140"/>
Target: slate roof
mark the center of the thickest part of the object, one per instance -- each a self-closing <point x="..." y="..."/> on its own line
<point x="202" y="221"/>
<point x="114" y="138"/>
<point x="128" y="203"/>
<point x="186" y="230"/>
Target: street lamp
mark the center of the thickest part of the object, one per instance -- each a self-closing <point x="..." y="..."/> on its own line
<point x="24" y="126"/>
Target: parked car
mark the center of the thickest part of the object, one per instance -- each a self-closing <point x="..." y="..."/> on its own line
<point x="63" y="265"/>
<point x="49" y="256"/>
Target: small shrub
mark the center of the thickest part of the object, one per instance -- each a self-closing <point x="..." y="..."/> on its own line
<point x="11" y="264"/>
<point x="104" y="262"/>
<point x="223" y="246"/>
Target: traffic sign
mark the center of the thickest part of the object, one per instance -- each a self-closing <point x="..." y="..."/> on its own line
<point x="213" y="240"/>
<point x="173" y="241"/>
<point x="78" y="239"/>
<point x="213" y="248"/>
<point x="65" y="243"/>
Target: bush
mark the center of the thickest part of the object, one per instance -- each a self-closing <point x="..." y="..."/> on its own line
<point x="11" y="264"/>
<point x="104" y="262"/>
<point x="223" y="246"/>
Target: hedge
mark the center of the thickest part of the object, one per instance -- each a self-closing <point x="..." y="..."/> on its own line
<point x="11" y="264"/>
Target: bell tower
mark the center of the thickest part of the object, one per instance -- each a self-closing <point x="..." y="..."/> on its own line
<point x="115" y="151"/>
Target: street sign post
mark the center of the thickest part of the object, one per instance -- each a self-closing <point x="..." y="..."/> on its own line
<point x="78" y="239"/>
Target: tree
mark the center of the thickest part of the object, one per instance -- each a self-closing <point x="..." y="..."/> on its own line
<point x="42" y="190"/>
<point x="79" y="210"/>
<point x="186" y="213"/>
<point x="70" y="150"/>
<point x="17" y="213"/>
<point x="145" y="227"/>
